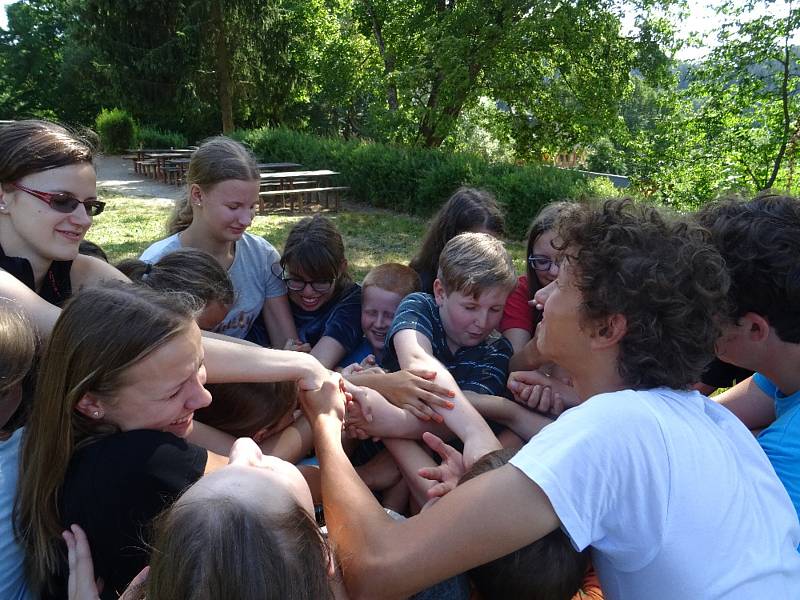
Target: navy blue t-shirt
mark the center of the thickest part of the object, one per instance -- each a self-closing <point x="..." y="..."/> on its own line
<point x="339" y="318"/>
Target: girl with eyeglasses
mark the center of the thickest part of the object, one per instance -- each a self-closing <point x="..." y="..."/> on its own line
<point x="219" y="206"/>
<point x="326" y="303"/>
<point x="47" y="202"/>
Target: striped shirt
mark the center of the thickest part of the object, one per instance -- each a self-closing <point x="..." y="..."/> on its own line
<point x="482" y="368"/>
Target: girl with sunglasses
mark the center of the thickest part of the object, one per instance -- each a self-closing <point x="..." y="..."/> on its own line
<point x="40" y="234"/>
<point x="47" y="202"/>
<point x="221" y="200"/>
<point x="326" y="303"/>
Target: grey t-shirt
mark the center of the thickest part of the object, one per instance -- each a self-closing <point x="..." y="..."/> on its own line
<point x="251" y="274"/>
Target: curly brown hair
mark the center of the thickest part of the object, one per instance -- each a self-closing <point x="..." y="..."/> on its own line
<point x="662" y="273"/>
<point x="760" y="242"/>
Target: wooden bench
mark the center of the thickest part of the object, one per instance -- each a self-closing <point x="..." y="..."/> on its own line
<point x="302" y="194"/>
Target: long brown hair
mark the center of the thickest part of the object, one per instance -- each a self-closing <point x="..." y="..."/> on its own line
<point x="32" y="146"/>
<point x="218" y="159"/>
<point x="18" y="344"/>
<point x="468" y="209"/>
<point x="99" y="335"/>
<point x="242" y="409"/>
<point x="218" y="548"/>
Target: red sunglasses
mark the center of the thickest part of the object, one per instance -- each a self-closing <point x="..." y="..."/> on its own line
<point x="63" y="202"/>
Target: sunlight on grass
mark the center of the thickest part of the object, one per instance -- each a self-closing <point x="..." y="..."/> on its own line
<point x="128" y="226"/>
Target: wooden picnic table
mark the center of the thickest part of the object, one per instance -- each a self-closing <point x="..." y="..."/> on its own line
<point x="161" y="158"/>
<point x="278" y="166"/>
<point x="288" y="176"/>
<point x="302" y="185"/>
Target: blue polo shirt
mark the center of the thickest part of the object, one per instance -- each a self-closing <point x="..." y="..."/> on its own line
<point x="482" y="368"/>
<point x="781" y="440"/>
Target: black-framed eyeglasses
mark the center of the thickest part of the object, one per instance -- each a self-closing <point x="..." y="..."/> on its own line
<point x="540" y="262"/>
<point x="298" y="285"/>
<point x="63" y="202"/>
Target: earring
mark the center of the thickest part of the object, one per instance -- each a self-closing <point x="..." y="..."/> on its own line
<point x="96" y="414"/>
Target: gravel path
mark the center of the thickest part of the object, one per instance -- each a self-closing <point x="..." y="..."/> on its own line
<point x="115" y="176"/>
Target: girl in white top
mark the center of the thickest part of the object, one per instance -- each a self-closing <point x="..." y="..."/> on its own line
<point x="222" y="196"/>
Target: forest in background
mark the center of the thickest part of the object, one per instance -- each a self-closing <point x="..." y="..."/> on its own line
<point x="520" y="82"/>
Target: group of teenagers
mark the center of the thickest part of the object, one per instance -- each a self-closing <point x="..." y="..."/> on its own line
<point x="442" y="430"/>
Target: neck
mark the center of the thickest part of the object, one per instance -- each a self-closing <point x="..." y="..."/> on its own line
<point x="781" y="366"/>
<point x="196" y="236"/>
<point x="597" y="375"/>
<point x="15" y="246"/>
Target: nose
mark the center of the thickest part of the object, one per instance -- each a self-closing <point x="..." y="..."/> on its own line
<point x="542" y="294"/>
<point x="200" y="396"/>
<point x="79" y="216"/>
<point x="482" y="318"/>
<point x="380" y="323"/>
<point x="246" y="217"/>
<point x="553" y="270"/>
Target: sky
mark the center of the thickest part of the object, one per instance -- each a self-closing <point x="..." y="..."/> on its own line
<point x="702" y="20"/>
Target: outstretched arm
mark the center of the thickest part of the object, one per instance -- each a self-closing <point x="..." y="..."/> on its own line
<point x="382" y="558"/>
<point x="748" y="402"/>
<point x="414" y="352"/>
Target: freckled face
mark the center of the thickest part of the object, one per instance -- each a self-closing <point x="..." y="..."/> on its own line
<point x="377" y="311"/>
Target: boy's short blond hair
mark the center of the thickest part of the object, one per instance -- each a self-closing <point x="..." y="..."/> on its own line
<point x="392" y="277"/>
<point x="472" y="263"/>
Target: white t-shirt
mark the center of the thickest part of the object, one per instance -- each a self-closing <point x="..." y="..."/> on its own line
<point x="673" y="494"/>
<point x="251" y="274"/>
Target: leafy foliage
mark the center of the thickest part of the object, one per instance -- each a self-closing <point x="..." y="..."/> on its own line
<point x="116" y="130"/>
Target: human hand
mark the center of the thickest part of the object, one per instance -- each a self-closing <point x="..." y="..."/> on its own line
<point x="327" y="399"/>
<point x="297" y="345"/>
<point x="414" y="390"/>
<point x="448" y="473"/>
<point x="368" y="362"/>
<point x="81" y="584"/>
<point x="542" y="392"/>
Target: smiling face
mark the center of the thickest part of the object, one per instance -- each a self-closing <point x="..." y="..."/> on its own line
<point x="33" y="230"/>
<point x="308" y="298"/>
<point x="225" y="209"/>
<point x="543" y="246"/>
<point x="377" y="312"/>
<point x="162" y="391"/>
<point x="468" y="320"/>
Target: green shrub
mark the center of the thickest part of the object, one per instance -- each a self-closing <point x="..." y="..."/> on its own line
<point x="116" y="129"/>
<point x="419" y="180"/>
<point x="151" y="137"/>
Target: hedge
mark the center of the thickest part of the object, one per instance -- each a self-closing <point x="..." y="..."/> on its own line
<point x="151" y="137"/>
<point x="116" y="129"/>
<point x="419" y="180"/>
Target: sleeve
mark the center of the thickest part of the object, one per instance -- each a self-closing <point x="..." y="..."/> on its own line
<point x="606" y="475"/>
<point x="765" y="385"/>
<point x="414" y="312"/>
<point x="273" y="285"/>
<point x="156" y="250"/>
<point x="517" y="314"/>
<point x="344" y="322"/>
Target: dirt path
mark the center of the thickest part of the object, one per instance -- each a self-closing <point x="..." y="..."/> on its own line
<point x="115" y="176"/>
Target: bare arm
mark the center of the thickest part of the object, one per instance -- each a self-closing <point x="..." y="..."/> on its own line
<point x="414" y="391"/>
<point x="518" y="337"/>
<point x="328" y="351"/>
<point x="279" y="321"/>
<point x="291" y="443"/>
<point x="746" y="400"/>
<point x="414" y="352"/>
<point x="522" y="421"/>
<point x="527" y="358"/>
<point x="382" y="558"/>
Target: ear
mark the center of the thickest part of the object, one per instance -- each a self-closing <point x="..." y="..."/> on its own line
<point x="90" y="406"/>
<point x="755" y="327"/>
<point x="438" y="292"/>
<point x="195" y="195"/>
<point x="3" y="201"/>
<point x="343" y="266"/>
<point x="260" y="435"/>
<point x="609" y="331"/>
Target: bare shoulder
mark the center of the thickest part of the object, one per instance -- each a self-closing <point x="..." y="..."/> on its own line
<point x="88" y="270"/>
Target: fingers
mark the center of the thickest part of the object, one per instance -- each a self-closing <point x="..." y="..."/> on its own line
<point x="432" y="473"/>
<point x="418" y="411"/>
<point x="558" y="404"/>
<point x="435" y="443"/>
<point x="134" y="589"/>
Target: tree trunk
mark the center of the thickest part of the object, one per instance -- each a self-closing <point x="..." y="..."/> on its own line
<point x="776" y="166"/>
<point x="223" y="60"/>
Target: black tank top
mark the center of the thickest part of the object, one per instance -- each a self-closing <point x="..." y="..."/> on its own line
<point x="56" y="287"/>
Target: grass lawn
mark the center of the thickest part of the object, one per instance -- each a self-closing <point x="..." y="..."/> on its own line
<point x="129" y="225"/>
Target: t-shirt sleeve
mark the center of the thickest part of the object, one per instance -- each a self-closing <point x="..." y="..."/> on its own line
<point x="344" y="322"/>
<point x="765" y="385"/>
<point x="273" y="285"/>
<point x="414" y="312"/>
<point x="606" y="475"/>
<point x="517" y="313"/>
<point x="156" y="250"/>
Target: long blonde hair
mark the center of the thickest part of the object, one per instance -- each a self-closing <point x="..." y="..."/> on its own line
<point x="92" y="346"/>
<point x="218" y="159"/>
